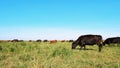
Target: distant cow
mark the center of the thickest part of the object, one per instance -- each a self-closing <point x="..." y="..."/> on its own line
<point x="5" y="40"/>
<point x="45" y="40"/>
<point x="8" y="40"/>
<point x="112" y="40"/>
<point x="38" y="40"/>
<point x="15" y="40"/>
<point x="84" y="40"/>
<point x="70" y="40"/>
<point x="53" y="41"/>
<point x="62" y="40"/>
<point x="30" y="40"/>
<point x="1" y="41"/>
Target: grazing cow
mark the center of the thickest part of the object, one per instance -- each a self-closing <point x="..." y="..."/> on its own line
<point x="84" y="40"/>
<point x="4" y="41"/>
<point x="62" y="40"/>
<point x="112" y="40"/>
<point x="53" y="41"/>
<point x="70" y="40"/>
<point x="1" y="41"/>
<point x="15" y="40"/>
<point x="45" y="41"/>
<point x="39" y="40"/>
<point x="8" y="40"/>
<point x="30" y="40"/>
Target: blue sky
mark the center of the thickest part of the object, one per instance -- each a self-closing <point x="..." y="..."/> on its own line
<point x="58" y="19"/>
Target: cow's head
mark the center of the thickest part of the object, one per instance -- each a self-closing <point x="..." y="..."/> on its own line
<point x="74" y="44"/>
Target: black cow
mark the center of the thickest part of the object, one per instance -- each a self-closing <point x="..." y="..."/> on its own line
<point x="70" y="40"/>
<point x="30" y="40"/>
<point x="84" y="40"/>
<point x="15" y="40"/>
<point x="112" y="40"/>
<point x="38" y="40"/>
<point x="45" y="40"/>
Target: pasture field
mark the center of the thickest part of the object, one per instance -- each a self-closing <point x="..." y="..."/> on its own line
<point x="57" y="55"/>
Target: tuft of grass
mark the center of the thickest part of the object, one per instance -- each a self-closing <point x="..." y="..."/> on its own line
<point x="26" y="57"/>
<point x="60" y="51"/>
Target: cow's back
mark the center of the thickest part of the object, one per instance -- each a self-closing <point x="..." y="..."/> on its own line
<point x="90" y="39"/>
<point x="116" y="40"/>
<point x="112" y="40"/>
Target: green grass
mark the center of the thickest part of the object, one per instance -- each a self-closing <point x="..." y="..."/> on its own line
<point x="58" y="55"/>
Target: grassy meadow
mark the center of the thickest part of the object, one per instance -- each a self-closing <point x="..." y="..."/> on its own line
<point x="57" y="55"/>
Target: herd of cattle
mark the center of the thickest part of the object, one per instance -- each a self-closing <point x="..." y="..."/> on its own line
<point x="82" y="41"/>
<point x="50" y="41"/>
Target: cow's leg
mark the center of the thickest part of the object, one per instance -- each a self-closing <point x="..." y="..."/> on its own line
<point x="84" y="47"/>
<point x="100" y="47"/>
<point x="81" y="47"/>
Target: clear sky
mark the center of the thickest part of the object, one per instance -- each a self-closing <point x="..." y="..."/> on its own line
<point x="58" y="19"/>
